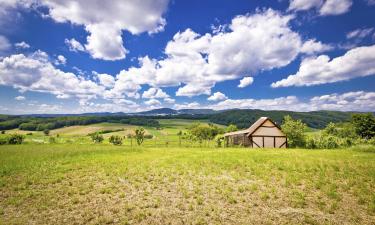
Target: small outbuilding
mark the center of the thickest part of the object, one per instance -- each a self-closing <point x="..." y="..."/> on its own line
<point x="264" y="133"/>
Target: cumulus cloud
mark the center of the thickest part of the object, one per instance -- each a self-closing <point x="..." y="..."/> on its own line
<point x="74" y="45"/>
<point x="152" y="102"/>
<point x="197" y="62"/>
<point x="325" y="7"/>
<point x="217" y="96"/>
<point x="358" y="62"/>
<point x="4" y="44"/>
<point x="106" y="80"/>
<point x="22" y="44"/>
<point x="20" y="98"/>
<point x="35" y="72"/>
<point x="187" y="105"/>
<point x="61" y="60"/>
<point x="350" y="101"/>
<point x="312" y="47"/>
<point x="155" y="93"/>
<point x="246" y="81"/>
<point x="105" y="23"/>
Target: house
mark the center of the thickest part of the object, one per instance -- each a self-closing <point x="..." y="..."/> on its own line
<point x="264" y="133"/>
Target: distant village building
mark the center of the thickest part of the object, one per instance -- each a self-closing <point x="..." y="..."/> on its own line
<point x="264" y="133"/>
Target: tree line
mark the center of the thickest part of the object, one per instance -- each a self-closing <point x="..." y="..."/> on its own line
<point x="41" y="124"/>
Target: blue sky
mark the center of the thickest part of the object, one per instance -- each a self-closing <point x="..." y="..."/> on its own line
<point x="73" y="57"/>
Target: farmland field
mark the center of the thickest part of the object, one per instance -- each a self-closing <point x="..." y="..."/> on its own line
<point x="103" y="184"/>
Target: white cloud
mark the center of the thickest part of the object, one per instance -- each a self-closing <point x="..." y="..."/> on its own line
<point x="105" y="23"/>
<point x="191" y="105"/>
<point x="4" y="44"/>
<point x="155" y="93"/>
<point x="246" y="81"/>
<point x="350" y="101"/>
<point x="152" y="102"/>
<point x="371" y="2"/>
<point x="299" y="5"/>
<point x="312" y="47"/>
<point x="198" y="62"/>
<point x="359" y="33"/>
<point x="22" y="44"/>
<point x="20" y="98"/>
<point x="325" y="7"/>
<point x="61" y="60"/>
<point x="169" y="100"/>
<point x="335" y="7"/>
<point x="106" y="80"/>
<point x="217" y="96"/>
<point x="74" y="45"/>
<point x="358" y="62"/>
<point x="35" y="72"/>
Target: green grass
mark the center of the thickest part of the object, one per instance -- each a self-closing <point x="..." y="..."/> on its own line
<point x="103" y="184"/>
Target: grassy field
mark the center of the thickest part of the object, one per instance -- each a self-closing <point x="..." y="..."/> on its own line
<point x="103" y="184"/>
<point x="164" y="137"/>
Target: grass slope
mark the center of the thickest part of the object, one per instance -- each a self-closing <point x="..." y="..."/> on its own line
<point x="102" y="184"/>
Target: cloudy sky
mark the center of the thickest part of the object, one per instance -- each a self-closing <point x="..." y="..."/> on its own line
<point x="134" y="55"/>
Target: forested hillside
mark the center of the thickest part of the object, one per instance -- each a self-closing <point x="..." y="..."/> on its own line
<point x="243" y="118"/>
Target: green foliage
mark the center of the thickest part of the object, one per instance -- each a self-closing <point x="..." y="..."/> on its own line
<point x="294" y="130"/>
<point x="364" y="125"/>
<point x="231" y="128"/>
<point x="243" y="118"/>
<point x="97" y="137"/>
<point x="115" y="140"/>
<point x="15" y="139"/>
<point x="203" y="132"/>
<point x="139" y="135"/>
<point x="46" y="132"/>
<point x="219" y="139"/>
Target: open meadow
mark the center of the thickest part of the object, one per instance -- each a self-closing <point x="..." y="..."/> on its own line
<point x="104" y="184"/>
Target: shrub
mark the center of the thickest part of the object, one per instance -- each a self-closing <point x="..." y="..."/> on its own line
<point x="46" y="132"/>
<point x="3" y="132"/>
<point x="148" y="136"/>
<point x="219" y="139"/>
<point x="139" y="135"/>
<point x="294" y="130"/>
<point x="115" y="140"/>
<point x="364" y="125"/>
<point x="97" y="138"/>
<point x="15" y="139"/>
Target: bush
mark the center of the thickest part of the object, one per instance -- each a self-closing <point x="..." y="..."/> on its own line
<point x="115" y="140"/>
<point x="148" y="136"/>
<point x="139" y="135"/>
<point x="3" y="132"/>
<point x="364" y="125"/>
<point x="46" y="132"/>
<point x="15" y="139"/>
<point x="219" y="139"/>
<point x="97" y="138"/>
<point x="294" y="130"/>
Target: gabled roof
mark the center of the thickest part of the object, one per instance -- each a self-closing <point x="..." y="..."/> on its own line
<point x="249" y="130"/>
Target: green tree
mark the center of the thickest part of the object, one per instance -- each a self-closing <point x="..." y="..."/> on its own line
<point x="46" y="132"/>
<point x="294" y="130"/>
<point x="139" y="135"/>
<point x="364" y="125"/>
<point x="231" y="128"/>
<point x="97" y="138"/>
<point x="115" y="140"/>
<point x="15" y="139"/>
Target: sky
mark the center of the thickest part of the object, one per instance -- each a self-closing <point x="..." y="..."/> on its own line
<point x="135" y="55"/>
